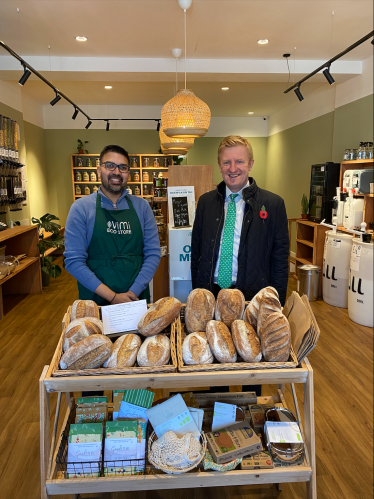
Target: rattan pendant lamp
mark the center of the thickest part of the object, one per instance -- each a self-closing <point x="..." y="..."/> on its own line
<point x="185" y="115"/>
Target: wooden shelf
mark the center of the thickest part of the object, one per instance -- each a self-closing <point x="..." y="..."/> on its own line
<point x="305" y="241"/>
<point x="84" y="167"/>
<point x="87" y="182"/>
<point x="304" y="261"/>
<point x="23" y="264"/>
<point x="358" y="162"/>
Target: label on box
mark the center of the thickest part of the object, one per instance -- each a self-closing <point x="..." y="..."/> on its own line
<point x="84" y="452"/>
<point x="224" y="415"/>
<point x="128" y="410"/>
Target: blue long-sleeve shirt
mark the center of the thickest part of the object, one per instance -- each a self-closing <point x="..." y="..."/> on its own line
<point x="78" y="234"/>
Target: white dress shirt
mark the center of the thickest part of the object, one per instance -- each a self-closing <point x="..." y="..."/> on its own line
<point x="240" y="205"/>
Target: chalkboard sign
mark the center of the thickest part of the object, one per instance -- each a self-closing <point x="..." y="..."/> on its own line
<point x="180" y="212"/>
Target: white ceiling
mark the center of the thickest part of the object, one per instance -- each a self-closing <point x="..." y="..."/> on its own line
<point x="130" y="41"/>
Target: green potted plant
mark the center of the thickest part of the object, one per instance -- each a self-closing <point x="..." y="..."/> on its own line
<point x="80" y="147"/>
<point x="46" y="224"/>
<point x="304" y="207"/>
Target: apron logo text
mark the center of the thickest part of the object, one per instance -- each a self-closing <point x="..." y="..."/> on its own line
<point x="118" y="227"/>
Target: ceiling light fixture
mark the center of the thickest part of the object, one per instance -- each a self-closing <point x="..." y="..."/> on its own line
<point x="55" y="100"/>
<point x="185" y="115"/>
<point x="263" y="41"/>
<point x="250" y="112"/>
<point x="108" y="87"/>
<point x="328" y="76"/>
<point x="75" y="113"/>
<point x="158" y="125"/>
<point x="81" y="38"/>
<point x="182" y="144"/>
<point x="25" y="76"/>
<point x="298" y="93"/>
<point x="107" y="126"/>
<point x="88" y="125"/>
<point x="225" y="88"/>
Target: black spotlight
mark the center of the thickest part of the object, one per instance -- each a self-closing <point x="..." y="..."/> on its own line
<point x="75" y="113"/>
<point x="372" y="41"/>
<point x="158" y="126"/>
<point x="328" y="76"/>
<point x="55" y="100"/>
<point x="25" y="76"/>
<point x="299" y="94"/>
<point x="88" y="124"/>
<point x="107" y="126"/>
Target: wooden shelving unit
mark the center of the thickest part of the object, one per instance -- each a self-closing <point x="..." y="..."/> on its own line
<point x="27" y="277"/>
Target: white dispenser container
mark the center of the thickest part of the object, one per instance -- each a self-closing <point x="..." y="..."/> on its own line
<point x="353" y="211"/>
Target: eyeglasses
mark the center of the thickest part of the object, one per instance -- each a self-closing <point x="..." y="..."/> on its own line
<point x="112" y="166"/>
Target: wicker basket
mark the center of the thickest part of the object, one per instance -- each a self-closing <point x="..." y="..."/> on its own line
<point x="217" y="366"/>
<point x="102" y="371"/>
<point x="171" y="469"/>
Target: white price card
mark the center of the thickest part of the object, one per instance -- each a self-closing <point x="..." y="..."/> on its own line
<point x="283" y="432"/>
<point x="123" y="316"/>
<point x="223" y="415"/>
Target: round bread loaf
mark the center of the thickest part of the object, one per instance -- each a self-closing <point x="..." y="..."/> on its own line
<point x="230" y="306"/>
<point x="251" y="312"/>
<point x="79" y="329"/>
<point x="155" y="351"/>
<point x="196" y="349"/>
<point x="159" y="316"/>
<point x="199" y="310"/>
<point x="220" y="342"/>
<point x="246" y="341"/>
<point x="89" y="353"/>
<point x="276" y="338"/>
<point x="268" y="305"/>
<point x="84" y="308"/>
<point x="125" y="351"/>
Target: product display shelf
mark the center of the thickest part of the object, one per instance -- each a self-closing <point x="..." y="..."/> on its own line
<point x="51" y="484"/>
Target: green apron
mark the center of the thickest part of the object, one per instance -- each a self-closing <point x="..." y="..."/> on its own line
<point x="115" y="253"/>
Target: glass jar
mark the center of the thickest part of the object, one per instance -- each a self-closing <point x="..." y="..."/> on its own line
<point x="346" y="155"/>
<point x="145" y="190"/>
<point x="93" y="177"/>
<point x="137" y="191"/>
<point x="158" y="192"/>
<point x="95" y="188"/>
<point x="89" y="163"/>
<point x="78" y="190"/>
<point x="369" y="150"/>
<point x="86" y="177"/>
<point x="164" y="192"/>
<point x="129" y="190"/>
<point x="145" y="162"/>
<point x="152" y="191"/>
<point x="145" y="176"/>
<point x="97" y="162"/>
<point x="78" y="176"/>
<point x="80" y="163"/>
<point x="156" y="163"/>
<point x="87" y="191"/>
<point x="164" y="182"/>
<point x="136" y="177"/>
<point x="361" y="151"/>
<point x="156" y="181"/>
<point x="166" y="162"/>
<point x="134" y="163"/>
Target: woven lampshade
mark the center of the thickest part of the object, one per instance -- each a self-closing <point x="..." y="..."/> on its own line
<point x="173" y="143"/>
<point x="174" y="152"/>
<point x="185" y="115"/>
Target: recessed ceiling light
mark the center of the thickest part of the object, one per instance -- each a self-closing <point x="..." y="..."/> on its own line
<point x="108" y="87"/>
<point x="225" y="88"/>
<point x="250" y="112"/>
<point x="81" y="38"/>
<point x="263" y="42"/>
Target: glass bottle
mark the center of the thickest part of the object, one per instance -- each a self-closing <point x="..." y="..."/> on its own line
<point x="152" y="191"/>
<point x="78" y="176"/>
<point x="97" y="162"/>
<point x="136" y="177"/>
<point x="86" y="177"/>
<point x="137" y="191"/>
<point x="346" y="155"/>
<point x="134" y="163"/>
<point x="361" y="151"/>
<point x="369" y="151"/>
<point x="95" y="188"/>
<point x="166" y="162"/>
<point x="145" y="190"/>
<point x="78" y="191"/>
<point x="146" y="162"/>
<point x="87" y="190"/>
<point x="156" y="163"/>
<point x="145" y="176"/>
<point x="129" y="190"/>
<point x="89" y="163"/>
<point x="80" y="163"/>
<point x="93" y="177"/>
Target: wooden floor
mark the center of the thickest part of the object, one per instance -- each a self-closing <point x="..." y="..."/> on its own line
<point x="343" y="377"/>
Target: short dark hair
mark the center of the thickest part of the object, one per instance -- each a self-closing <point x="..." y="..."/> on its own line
<point x="116" y="149"/>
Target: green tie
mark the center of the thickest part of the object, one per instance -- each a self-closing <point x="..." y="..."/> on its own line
<point x="225" y="263"/>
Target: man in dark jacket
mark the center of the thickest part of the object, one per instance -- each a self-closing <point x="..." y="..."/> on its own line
<point x="240" y="235"/>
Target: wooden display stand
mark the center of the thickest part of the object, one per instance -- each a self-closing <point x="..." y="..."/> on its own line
<point x="51" y="484"/>
<point x="27" y="277"/>
<point x="200" y="176"/>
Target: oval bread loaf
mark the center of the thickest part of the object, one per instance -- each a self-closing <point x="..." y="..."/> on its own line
<point x="220" y="342"/>
<point x="84" y="308"/>
<point x="199" y="310"/>
<point x="196" y="349"/>
<point x="89" y="353"/>
<point x="230" y="306"/>
<point x="251" y="312"/>
<point x="155" y="351"/>
<point x="268" y="305"/>
<point x="246" y="341"/>
<point x="79" y="329"/>
<point x="125" y="351"/>
<point x="159" y="315"/>
<point x="276" y="338"/>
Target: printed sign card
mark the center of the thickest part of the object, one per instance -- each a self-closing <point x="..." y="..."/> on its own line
<point x="181" y="202"/>
<point x="123" y="316"/>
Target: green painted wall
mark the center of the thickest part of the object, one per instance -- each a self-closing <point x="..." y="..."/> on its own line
<point x="353" y="124"/>
<point x="204" y="152"/>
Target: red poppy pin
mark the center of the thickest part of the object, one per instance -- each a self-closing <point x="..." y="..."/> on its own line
<point x="263" y="213"/>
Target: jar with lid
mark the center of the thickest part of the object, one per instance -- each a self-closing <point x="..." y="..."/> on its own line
<point x="369" y="150"/>
<point x="86" y="177"/>
<point x="97" y="162"/>
<point x="164" y="192"/>
<point x="166" y="162"/>
<point x="95" y="188"/>
<point x="78" y="190"/>
<point x="87" y="190"/>
<point x="156" y="180"/>
<point x="136" y="177"/>
<point x="361" y="153"/>
<point x="78" y="176"/>
<point x="351" y="154"/>
<point x="137" y="191"/>
<point x="156" y="163"/>
<point x="80" y="163"/>
<point x="93" y="177"/>
<point x="146" y="162"/>
<point x="160" y="175"/>
<point x="89" y="163"/>
<point x="346" y="155"/>
<point x="145" y="190"/>
<point x="134" y="163"/>
<point x="145" y="176"/>
<point x="129" y="190"/>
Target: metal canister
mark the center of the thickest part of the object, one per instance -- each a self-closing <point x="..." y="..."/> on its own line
<point x="308" y="281"/>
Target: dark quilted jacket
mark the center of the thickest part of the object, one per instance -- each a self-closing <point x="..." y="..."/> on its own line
<point x="264" y="243"/>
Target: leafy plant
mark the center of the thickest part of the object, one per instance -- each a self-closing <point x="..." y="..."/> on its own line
<point x="80" y="146"/>
<point x="177" y="160"/>
<point x="304" y="205"/>
<point x="46" y="224"/>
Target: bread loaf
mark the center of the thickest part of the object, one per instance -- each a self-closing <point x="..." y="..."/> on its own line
<point x="125" y="351"/>
<point x="246" y="341"/>
<point x="251" y="312"/>
<point x="155" y="351"/>
<point x="220" y="342"/>
<point x="229" y="306"/>
<point x="84" y="308"/>
<point x="79" y="329"/>
<point x="276" y="338"/>
<point x="89" y="353"/>
<point x="268" y="305"/>
<point x="196" y="349"/>
<point x="199" y="310"/>
<point x="159" y="315"/>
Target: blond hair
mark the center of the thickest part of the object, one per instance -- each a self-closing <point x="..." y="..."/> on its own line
<point x="235" y="140"/>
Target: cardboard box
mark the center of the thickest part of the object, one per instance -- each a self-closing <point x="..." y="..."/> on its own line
<point x="237" y="398"/>
<point x="232" y="442"/>
<point x="261" y="460"/>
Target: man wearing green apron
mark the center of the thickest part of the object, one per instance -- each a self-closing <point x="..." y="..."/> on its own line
<point x="112" y="246"/>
